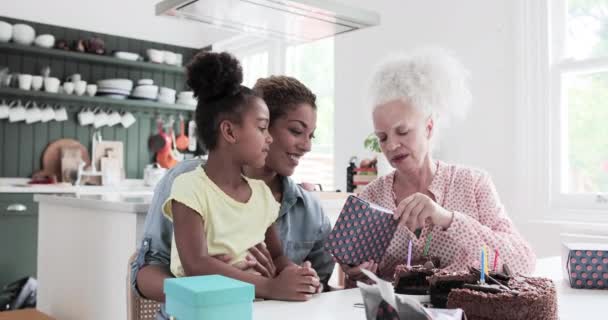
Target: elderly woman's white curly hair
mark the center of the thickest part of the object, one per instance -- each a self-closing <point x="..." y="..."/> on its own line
<point x="430" y="79"/>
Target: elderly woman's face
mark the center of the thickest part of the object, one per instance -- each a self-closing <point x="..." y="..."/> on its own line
<point x="404" y="133"/>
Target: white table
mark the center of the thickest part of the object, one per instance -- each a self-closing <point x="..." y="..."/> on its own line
<point x="573" y="303"/>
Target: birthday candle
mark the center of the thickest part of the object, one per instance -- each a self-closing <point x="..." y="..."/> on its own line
<point x="482" y="274"/>
<point x="409" y="253"/>
<point x="428" y="244"/>
<point x="485" y="262"/>
<point x="495" y="259"/>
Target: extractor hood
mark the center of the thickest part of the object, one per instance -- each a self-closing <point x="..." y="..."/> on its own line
<point x="291" y="20"/>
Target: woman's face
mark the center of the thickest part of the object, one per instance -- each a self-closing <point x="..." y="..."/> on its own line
<point x="254" y="138"/>
<point x="404" y="133"/>
<point x="292" y="134"/>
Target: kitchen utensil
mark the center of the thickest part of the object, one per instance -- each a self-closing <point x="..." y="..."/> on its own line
<point x="4" y="110"/>
<point x="23" y="34"/>
<point x="126" y="55"/>
<point x="112" y="149"/>
<point x="128" y="119"/>
<point x="192" y="136"/>
<point x="143" y="82"/>
<point x="47" y="114"/>
<point x="80" y="87"/>
<point x="51" y="157"/>
<point x="33" y="114"/>
<point x="86" y="117"/>
<point x="68" y="87"/>
<point x="25" y="81"/>
<point x="176" y="154"/>
<point x="16" y="113"/>
<point x="181" y="141"/>
<point x="91" y="89"/>
<point x="100" y="119"/>
<point x="61" y="114"/>
<point x="37" y="82"/>
<point x="122" y="84"/>
<point x="155" y="56"/>
<point x="6" y="31"/>
<point x="157" y="142"/>
<point x="45" y="41"/>
<point x="153" y="173"/>
<point x="51" y="85"/>
<point x="165" y="159"/>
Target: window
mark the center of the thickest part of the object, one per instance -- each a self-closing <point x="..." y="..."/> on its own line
<point x="578" y="100"/>
<point x="312" y="64"/>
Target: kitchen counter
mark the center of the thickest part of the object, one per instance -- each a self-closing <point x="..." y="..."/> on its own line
<point x="114" y="201"/>
<point x="21" y="185"/>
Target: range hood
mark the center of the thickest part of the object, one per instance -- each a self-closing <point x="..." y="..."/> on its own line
<point x="290" y="20"/>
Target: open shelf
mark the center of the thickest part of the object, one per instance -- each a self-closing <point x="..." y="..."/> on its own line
<point x="91" y="101"/>
<point x="88" y="57"/>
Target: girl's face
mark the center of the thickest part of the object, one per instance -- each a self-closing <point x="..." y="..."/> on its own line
<point x="404" y="134"/>
<point x="253" y="140"/>
<point x="292" y="134"/>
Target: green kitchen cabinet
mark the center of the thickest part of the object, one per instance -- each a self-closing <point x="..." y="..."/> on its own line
<point x="18" y="236"/>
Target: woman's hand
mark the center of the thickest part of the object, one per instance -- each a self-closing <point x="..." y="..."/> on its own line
<point x="258" y="260"/>
<point x="415" y="210"/>
<point x="296" y="283"/>
<point x="355" y="274"/>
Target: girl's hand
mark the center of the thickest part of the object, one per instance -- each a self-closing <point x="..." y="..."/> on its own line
<point x="294" y="283"/>
<point x="418" y="209"/>
<point x="355" y="274"/>
<point x="264" y="263"/>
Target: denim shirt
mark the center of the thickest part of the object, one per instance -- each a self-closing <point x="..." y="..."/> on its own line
<point x="302" y="226"/>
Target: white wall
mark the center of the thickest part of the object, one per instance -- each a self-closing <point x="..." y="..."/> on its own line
<point x="128" y="18"/>
<point x="480" y="33"/>
<point x="484" y="36"/>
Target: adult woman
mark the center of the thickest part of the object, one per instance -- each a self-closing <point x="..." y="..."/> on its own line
<point x="302" y="225"/>
<point x="455" y="205"/>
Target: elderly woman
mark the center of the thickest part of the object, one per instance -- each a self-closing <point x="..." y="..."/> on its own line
<point x="458" y="206"/>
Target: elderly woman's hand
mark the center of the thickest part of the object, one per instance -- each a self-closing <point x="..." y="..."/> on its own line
<point x="415" y="210"/>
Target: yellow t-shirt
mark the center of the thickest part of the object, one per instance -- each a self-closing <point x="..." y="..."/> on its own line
<point x="231" y="227"/>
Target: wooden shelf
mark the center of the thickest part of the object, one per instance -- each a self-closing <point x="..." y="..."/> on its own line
<point x="89" y="57"/>
<point x="58" y="97"/>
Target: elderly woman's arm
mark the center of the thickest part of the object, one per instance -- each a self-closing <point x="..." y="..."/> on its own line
<point x="492" y="228"/>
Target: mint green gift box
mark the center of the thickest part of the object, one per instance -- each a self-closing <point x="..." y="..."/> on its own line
<point x="209" y="298"/>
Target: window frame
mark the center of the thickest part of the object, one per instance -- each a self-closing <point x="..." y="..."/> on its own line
<point x="540" y="114"/>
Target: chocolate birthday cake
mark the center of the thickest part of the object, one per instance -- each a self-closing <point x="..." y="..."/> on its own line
<point x="503" y="297"/>
<point x="414" y="279"/>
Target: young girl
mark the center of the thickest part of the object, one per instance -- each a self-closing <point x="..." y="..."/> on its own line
<point x="215" y="209"/>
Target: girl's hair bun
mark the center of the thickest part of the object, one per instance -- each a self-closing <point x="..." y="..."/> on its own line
<point x="213" y="75"/>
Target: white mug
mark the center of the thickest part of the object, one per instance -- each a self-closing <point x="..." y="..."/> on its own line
<point x="47" y="114"/>
<point x="33" y="114"/>
<point x="61" y="114"/>
<point x="51" y="85"/>
<point x="80" y="87"/>
<point x="74" y="78"/>
<point x="114" y="118"/>
<point x="68" y="87"/>
<point x="128" y="119"/>
<point x="4" y="110"/>
<point x="25" y="81"/>
<point x="86" y="117"/>
<point x="100" y="119"/>
<point x="37" y="82"/>
<point x="91" y="89"/>
<point x="16" y="113"/>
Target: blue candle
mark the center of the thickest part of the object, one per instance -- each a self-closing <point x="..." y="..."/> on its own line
<point x="482" y="269"/>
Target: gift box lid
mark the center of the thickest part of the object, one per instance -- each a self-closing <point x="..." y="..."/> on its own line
<point x="209" y="290"/>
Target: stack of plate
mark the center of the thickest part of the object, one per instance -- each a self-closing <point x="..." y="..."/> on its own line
<point x="186" y="98"/>
<point x="114" y="88"/>
<point x="145" y="90"/>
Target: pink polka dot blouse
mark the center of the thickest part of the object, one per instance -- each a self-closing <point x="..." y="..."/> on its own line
<point x="479" y="219"/>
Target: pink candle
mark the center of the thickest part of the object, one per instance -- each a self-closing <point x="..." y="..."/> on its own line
<point x="495" y="259"/>
<point x="409" y="253"/>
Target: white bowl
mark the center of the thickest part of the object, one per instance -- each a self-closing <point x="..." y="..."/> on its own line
<point x="6" y="31"/>
<point x="146" y="91"/>
<point x="143" y="82"/>
<point x="123" y="84"/>
<point x="45" y="41"/>
<point x="169" y="57"/>
<point x="156" y="56"/>
<point x="186" y="95"/>
<point x="23" y="34"/>
<point x="126" y="55"/>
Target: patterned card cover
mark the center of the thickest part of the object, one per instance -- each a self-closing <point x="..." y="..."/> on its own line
<point x="588" y="269"/>
<point x="362" y="232"/>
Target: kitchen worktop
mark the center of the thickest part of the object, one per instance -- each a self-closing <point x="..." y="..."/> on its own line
<point x="20" y="185"/>
<point x="109" y="201"/>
